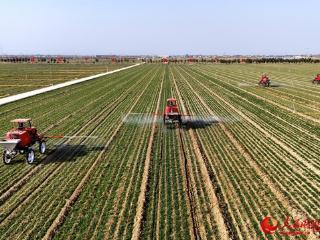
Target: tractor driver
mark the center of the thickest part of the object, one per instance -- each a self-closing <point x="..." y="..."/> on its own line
<point x="171" y="103"/>
<point x="264" y="77"/>
<point x="20" y="125"/>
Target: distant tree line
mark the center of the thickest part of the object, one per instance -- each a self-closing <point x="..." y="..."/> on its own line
<point x="282" y="60"/>
<point x="33" y="60"/>
<point x="233" y="60"/>
<point x="58" y="60"/>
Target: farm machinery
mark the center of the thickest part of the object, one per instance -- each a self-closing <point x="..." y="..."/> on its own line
<point x="171" y="113"/>
<point x="165" y="60"/>
<point x="173" y="117"/>
<point x="264" y="81"/>
<point x="20" y="139"/>
<point x="316" y="80"/>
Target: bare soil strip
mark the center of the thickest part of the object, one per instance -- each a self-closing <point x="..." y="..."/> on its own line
<point x="190" y="194"/>
<point x="145" y="177"/>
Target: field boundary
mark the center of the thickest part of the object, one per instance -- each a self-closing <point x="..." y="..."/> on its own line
<point x="24" y="95"/>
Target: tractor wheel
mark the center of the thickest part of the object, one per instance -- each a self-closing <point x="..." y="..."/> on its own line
<point x="42" y="147"/>
<point x="180" y="121"/>
<point x="164" y="120"/>
<point x="30" y="156"/>
<point x="6" y="158"/>
<point x="268" y="84"/>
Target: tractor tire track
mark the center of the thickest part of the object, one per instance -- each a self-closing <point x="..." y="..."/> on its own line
<point x="73" y="198"/>
<point x="224" y="223"/>
<point x="156" y="210"/>
<point x="229" y="219"/>
<point x="191" y="198"/>
<point x="135" y="167"/>
<point x="137" y="226"/>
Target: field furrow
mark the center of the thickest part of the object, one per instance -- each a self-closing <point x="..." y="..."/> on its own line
<point x="242" y="153"/>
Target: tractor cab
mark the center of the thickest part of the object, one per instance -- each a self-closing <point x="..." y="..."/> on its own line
<point x="21" y="124"/>
<point x="23" y="130"/>
<point x="171" y="102"/>
<point x="171" y="106"/>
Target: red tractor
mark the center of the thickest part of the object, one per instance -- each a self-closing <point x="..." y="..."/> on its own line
<point x="264" y="81"/>
<point x="165" y="60"/>
<point x="171" y="113"/>
<point x="20" y="139"/>
<point x="317" y="79"/>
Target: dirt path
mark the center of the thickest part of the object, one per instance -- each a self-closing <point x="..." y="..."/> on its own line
<point x="20" y="96"/>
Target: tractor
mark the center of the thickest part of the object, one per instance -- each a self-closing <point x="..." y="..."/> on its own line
<point x="165" y="60"/>
<point x="171" y="114"/>
<point x="20" y="139"/>
<point x="316" y="80"/>
<point x="264" y="81"/>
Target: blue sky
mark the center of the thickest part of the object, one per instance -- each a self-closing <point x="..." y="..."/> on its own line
<point x="159" y="27"/>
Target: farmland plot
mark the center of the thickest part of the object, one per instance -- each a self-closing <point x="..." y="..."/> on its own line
<point x="17" y="78"/>
<point x="144" y="180"/>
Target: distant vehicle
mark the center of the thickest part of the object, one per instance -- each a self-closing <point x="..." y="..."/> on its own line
<point x="316" y="80"/>
<point x="171" y="113"/>
<point x="20" y="139"/>
<point x="264" y="81"/>
<point x="165" y="60"/>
